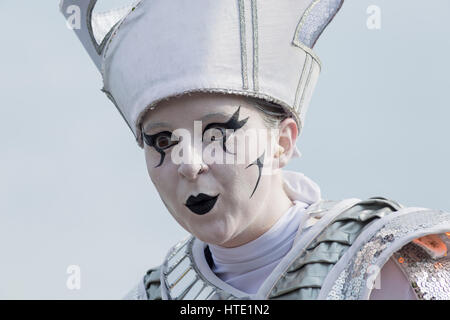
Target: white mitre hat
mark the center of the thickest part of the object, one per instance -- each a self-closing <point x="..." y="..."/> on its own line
<point x="157" y="49"/>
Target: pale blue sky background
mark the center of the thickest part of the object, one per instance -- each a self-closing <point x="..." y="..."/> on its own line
<point x="73" y="184"/>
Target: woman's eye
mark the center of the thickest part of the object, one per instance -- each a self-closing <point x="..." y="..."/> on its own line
<point x="213" y="134"/>
<point x="164" y="142"/>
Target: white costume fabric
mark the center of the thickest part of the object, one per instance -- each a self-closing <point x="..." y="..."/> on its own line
<point x="245" y="267"/>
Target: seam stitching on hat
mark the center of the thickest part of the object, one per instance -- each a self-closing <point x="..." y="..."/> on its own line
<point x="308" y="80"/>
<point x="300" y="81"/>
<point x="243" y="44"/>
<point x="255" y="45"/>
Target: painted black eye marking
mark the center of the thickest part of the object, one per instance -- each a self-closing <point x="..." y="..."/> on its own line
<point x="160" y="141"/>
<point x="260" y="163"/>
<point x="233" y="123"/>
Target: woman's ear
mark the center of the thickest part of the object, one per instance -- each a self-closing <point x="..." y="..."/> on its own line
<point x="285" y="145"/>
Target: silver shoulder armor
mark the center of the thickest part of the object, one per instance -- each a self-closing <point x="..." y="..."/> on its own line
<point x="405" y="235"/>
<point x="427" y="266"/>
<point x="324" y="244"/>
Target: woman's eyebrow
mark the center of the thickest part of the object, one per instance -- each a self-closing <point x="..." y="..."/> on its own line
<point x="153" y="125"/>
<point x="214" y="115"/>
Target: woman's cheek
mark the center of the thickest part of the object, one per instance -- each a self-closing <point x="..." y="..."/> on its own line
<point x="162" y="178"/>
<point x="151" y="159"/>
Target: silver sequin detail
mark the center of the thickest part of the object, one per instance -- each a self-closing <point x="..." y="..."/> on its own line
<point x="338" y="287"/>
<point x="429" y="278"/>
<point x="315" y="19"/>
<point x="353" y="278"/>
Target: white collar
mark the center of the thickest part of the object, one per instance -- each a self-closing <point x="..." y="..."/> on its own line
<point x="245" y="267"/>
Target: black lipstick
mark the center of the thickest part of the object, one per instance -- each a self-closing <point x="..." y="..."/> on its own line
<point x="201" y="204"/>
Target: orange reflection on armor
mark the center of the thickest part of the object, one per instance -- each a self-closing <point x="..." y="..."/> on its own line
<point x="438" y="265"/>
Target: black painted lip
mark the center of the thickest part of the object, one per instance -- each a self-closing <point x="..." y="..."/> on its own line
<point x="201" y="204"/>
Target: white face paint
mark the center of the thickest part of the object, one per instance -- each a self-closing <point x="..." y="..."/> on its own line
<point x="240" y="212"/>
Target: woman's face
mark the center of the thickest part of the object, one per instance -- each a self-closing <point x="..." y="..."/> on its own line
<point x="212" y="175"/>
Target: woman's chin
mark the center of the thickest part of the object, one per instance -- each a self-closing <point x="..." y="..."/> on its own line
<point x="215" y="238"/>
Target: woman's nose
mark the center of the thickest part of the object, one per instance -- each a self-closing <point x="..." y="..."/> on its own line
<point x="193" y="166"/>
<point x="191" y="171"/>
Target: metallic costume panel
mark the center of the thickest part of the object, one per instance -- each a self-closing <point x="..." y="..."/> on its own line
<point x="430" y="278"/>
<point x="378" y="244"/>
